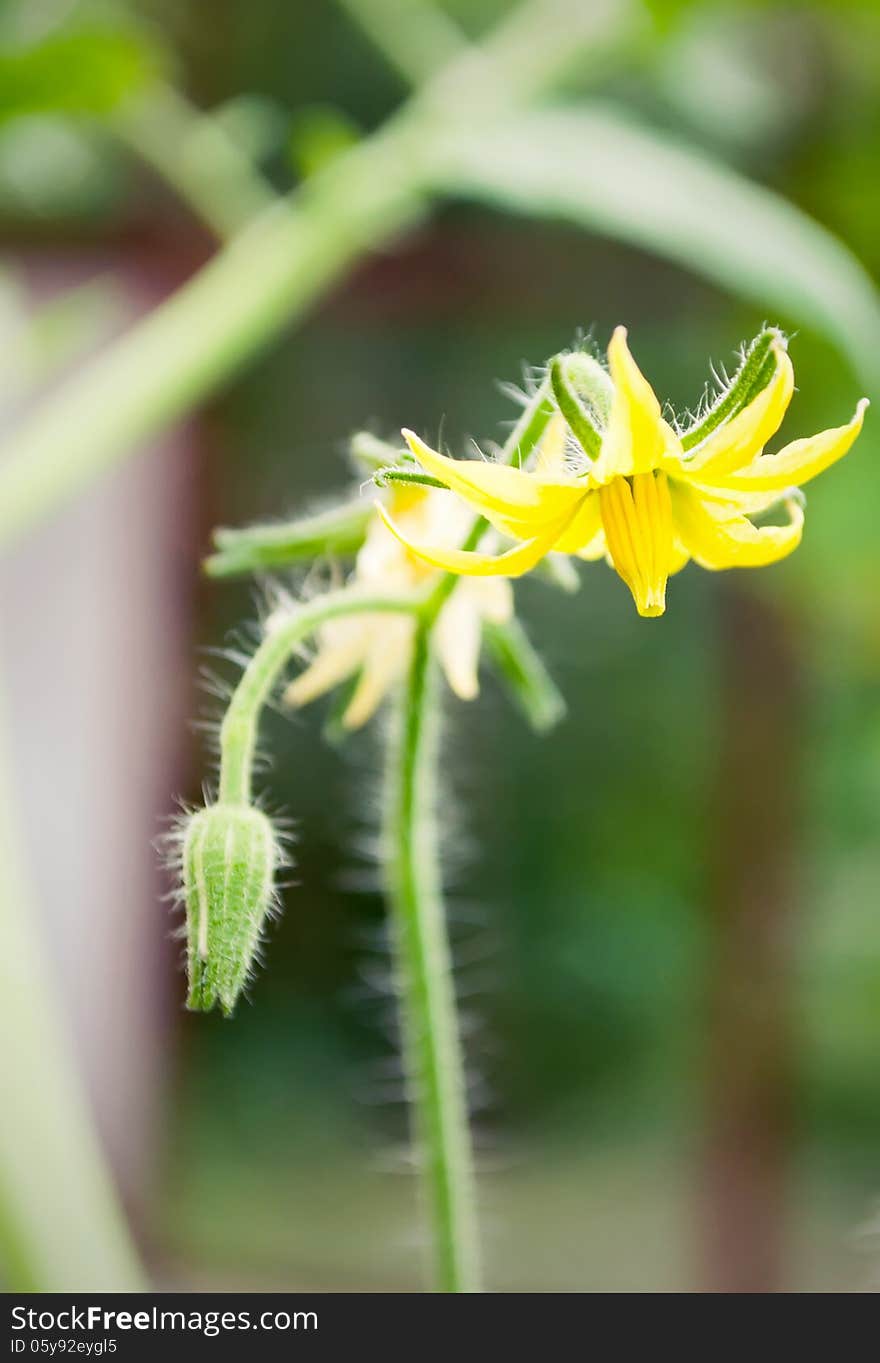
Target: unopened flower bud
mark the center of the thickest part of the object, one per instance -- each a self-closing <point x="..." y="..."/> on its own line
<point x="583" y="391"/>
<point x="229" y="857"/>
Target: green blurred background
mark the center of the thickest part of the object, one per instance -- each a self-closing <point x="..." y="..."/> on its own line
<point x="665" y="911"/>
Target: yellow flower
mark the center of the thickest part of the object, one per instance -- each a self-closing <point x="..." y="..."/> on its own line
<point x="378" y="646"/>
<point x="645" y="502"/>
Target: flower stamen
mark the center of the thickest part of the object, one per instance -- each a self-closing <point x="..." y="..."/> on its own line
<point x="637" y="519"/>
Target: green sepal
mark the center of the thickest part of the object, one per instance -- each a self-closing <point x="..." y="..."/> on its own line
<point x="260" y="548"/>
<point x="527" y="680"/>
<point x="755" y="372"/>
<point x="382" y="478"/>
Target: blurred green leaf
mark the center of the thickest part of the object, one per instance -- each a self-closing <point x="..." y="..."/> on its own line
<point x="601" y="169"/>
<point x="49" y="167"/>
<point x="90" y="71"/>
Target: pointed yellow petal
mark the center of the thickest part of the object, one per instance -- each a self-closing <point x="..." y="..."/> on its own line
<point x="550" y="459"/>
<point x="595" y="548"/>
<point x="717" y="539"/>
<point x="384" y="664"/>
<point x="511" y="564"/>
<point x="458" y="633"/>
<point x="517" y="503"/>
<point x="737" y="441"/>
<point x="678" y="558"/>
<point x="637" y="436"/>
<point x="492" y="596"/>
<point x="333" y="664"/>
<point x="583" y="528"/>
<point x="727" y="504"/>
<point x="796" y="464"/>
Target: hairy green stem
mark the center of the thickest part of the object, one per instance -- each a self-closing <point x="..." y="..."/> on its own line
<point x="238" y="733"/>
<point x="61" y="1227"/>
<point x="432" y="1048"/>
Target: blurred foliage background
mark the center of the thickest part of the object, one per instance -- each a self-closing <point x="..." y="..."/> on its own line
<point x="666" y="910"/>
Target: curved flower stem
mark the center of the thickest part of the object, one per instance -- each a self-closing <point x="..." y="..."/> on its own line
<point x="238" y="733"/>
<point x="432" y="1048"/>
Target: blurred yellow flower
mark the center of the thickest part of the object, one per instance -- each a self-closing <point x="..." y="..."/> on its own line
<point x="378" y="646"/>
<point x="644" y="503"/>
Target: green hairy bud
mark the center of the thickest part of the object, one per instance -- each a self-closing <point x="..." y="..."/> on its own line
<point x="229" y="855"/>
<point x="583" y="392"/>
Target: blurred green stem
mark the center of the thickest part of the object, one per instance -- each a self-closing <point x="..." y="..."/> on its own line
<point x="431" y="1044"/>
<point x="61" y="1228"/>
<point x="416" y="38"/>
<point x="197" y="157"/>
<point x="275" y="268"/>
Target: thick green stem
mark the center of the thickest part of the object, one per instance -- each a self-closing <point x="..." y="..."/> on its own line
<point x="61" y="1228"/>
<point x="432" y="1047"/>
<point x="238" y="733"/>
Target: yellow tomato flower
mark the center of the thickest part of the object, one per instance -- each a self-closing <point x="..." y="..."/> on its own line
<point x="644" y="502"/>
<point x="378" y="646"/>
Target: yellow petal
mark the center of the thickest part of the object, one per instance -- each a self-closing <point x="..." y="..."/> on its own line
<point x="550" y="459"/>
<point x="595" y="548"/>
<point x="726" y="503"/>
<point x="513" y="563"/>
<point x="492" y="597"/>
<point x="457" y="634"/>
<point x="384" y="664"/>
<point x="637" y="436"/>
<point x="717" y="539"/>
<point x="332" y="665"/>
<point x="796" y="464"/>
<point x="517" y="503"/>
<point x="737" y="441"/>
<point x="637" y="517"/>
<point x="583" y="528"/>
<point x="679" y="557"/>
